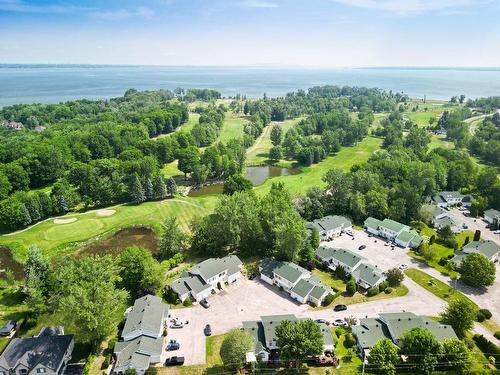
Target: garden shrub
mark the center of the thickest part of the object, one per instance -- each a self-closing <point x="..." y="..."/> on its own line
<point x="187" y="302"/>
<point x="349" y="341"/>
<point x="328" y="299"/>
<point x="497" y="335"/>
<point x="487" y="313"/>
<point x="383" y="286"/>
<point x="372" y="292"/>
<point x="388" y="290"/>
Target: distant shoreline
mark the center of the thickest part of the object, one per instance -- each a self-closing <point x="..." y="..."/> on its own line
<point x="290" y="67"/>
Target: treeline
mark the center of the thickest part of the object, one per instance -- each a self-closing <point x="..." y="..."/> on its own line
<point x="486" y="104"/>
<point x="486" y="140"/>
<point x="404" y="176"/>
<point x="318" y="136"/>
<point x="325" y="99"/>
<point x="244" y="224"/>
<point x="192" y="95"/>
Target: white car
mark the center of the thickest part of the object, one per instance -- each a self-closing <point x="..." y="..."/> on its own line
<point x="496" y="232"/>
<point x="386" y="244"/>
<point x="339" y="323"/>
<point x="403" y="267"/>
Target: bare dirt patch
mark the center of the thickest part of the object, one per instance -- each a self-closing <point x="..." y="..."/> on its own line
<point x="135" y="236"/>
<point x="7" y="262"/>
<point x="104" y="212"/>
<point x="65" y="221"/>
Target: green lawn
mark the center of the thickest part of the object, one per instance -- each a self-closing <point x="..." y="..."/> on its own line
<point x="339" y="286"/>
<point x="258" y="154"/>
<point x="57" y="238"/>
<point x="232" y="127"/>
<point x="312" y="176"/>
<point x="439" y="250"/>
<point x="440" y="141"/>
<point x="435" y="286"/>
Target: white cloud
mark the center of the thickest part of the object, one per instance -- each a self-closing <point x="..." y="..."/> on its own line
<point x="408" y="7"/>
<point x="120" y="14"/>
<point x="19" y="6"/>
<point x="258" y="4"/>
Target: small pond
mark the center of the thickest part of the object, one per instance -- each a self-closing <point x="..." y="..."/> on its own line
<point x="258" y="175"/>
<point x="141" y="236"/>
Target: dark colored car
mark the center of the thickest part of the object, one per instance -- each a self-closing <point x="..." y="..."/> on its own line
<point x="253" y="276"/>
<point x="8" y="328"/>
<point x="320" y="321"/>
<point x="204" y="303"/>
<point x="340" y="308"/>
<point x="207" y="330"/>
<point x="173" y="345"/>
<point x="362" y="247"/>
<point x="174" y="361"/>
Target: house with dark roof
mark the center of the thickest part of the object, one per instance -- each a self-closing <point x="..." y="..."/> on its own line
<point x="263" y="333"/>
<point x="393" y="326"/>
<point x="451" y="198"/>
<point x="331" y="226"/>
<point x="489" y="249"/>
<point x="46" y="354"/>
<point x="297" y="281"/>
<point x="211" y="274"/>
<point x="391" y="230"/>
<point x="365" y="274"/>
<point x="142" y="335"/>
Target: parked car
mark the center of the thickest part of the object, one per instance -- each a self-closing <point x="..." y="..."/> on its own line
<point x="207" y="330"/>
<point x="370" y="235"/>
<point x="386" y="244"/>
<point x="465" y="226"/>
<point x="253" y="276"/>
<point x="362" y="247"/>
<point x="173" y="345"/>
<point x="340" y="308"/>
<point x="339" y="323"/>
<point x="174" y="361"/>
<point x="177" y="324"/>
<point x="496" y="232"/>
<point x="403" y="267"/>
<point x="8" y="328"/>
<point x="321" y="321"/>
<point x="204" y="303"/>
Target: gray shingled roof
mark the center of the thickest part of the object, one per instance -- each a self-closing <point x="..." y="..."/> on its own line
<point x="146" y="314"/>
<point x="287" y="270"/>
<point x="487" y="248"/>
<point x="369" y="331"/>
<point x="214" y="266"/>
<point x="371" y="222"/>
<point x="392" y="225"/>
<point x="492" y="213"/>
<point x="330" y="222"/>
<point x="47" y="351"/>
<point x="342" y="256"/>
<point x="367" y="273"/>
<point x="136" y="353"/>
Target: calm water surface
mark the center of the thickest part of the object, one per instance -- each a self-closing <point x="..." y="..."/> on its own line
<point x="56" y="83"/>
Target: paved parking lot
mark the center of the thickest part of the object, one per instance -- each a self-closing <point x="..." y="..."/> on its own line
<point x="375" y="252"/>
<point x="474" y="224"/>
<point x="249" y="300"/>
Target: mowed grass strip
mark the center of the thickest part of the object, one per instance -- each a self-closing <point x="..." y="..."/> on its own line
<point x="313" y="175"/>
<point x="435" y="286"/>
<point x="54" y="238"/>
<point x="233" y="127"/>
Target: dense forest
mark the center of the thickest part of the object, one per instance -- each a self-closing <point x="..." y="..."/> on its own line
<point x="102" y="152"/>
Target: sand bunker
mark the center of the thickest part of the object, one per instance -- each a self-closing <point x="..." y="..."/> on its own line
<point x="105" y="212"/>
<point x="65" y="221"/>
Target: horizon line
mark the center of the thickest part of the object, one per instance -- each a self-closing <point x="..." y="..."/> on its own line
<point x="290" y="66"/>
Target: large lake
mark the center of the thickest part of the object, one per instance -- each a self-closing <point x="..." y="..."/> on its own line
<point x="56" y="83"/>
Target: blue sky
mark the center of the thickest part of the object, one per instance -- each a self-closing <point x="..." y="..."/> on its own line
<point x="332" y="33"/>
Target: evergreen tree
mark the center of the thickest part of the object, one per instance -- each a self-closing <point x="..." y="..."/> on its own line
<point x="159" y="188"/>
<point x="171" y="186"/>
<point x="62" y="204"/>
<point x="148" y="189"/>
<point x="136" y="191"/>
<point x="276" y="135"/>
<point x="172" y="239"/>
